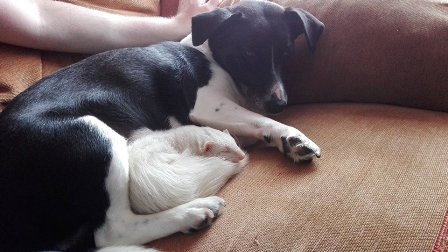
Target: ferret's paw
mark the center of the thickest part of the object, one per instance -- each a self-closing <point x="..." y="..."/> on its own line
<point x="242" y="163"/>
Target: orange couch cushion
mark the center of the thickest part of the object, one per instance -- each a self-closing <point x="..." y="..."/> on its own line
<point x="381" y="185"/>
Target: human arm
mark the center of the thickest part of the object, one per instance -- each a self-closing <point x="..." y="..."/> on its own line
<point x="60" y="26"/>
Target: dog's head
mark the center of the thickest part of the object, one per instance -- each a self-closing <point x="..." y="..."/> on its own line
<point x="251" y="41"/>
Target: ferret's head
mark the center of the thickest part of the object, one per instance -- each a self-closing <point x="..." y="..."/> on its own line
<point x="222" y="144"/>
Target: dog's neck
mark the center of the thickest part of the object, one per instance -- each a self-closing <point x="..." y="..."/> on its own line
<point x="226" y="78"/>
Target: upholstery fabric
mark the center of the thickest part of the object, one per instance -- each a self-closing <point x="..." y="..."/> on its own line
<point x="168" y="8"/>
<point x="376" y="51"/>
<point x="19" y="68"/>
<point x="381" y="185"/>
<point x="129" y="7"/>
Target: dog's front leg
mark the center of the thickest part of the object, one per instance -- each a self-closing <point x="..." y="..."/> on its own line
<point x="222" y="113"/>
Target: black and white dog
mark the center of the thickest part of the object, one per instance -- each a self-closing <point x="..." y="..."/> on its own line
<point x="63" y="151"/>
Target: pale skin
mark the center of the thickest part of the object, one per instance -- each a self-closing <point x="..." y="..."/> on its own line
<point x="59" y="26"/>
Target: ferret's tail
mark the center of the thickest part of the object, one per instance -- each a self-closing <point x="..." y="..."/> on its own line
<point x="160" y="181"/>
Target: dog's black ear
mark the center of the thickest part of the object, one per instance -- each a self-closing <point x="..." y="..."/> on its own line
<point x="300" y="22"/>
<point x="204" y="25"/>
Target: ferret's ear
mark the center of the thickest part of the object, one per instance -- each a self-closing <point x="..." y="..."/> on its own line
<point x="226" y="131"/>
<point x="208" y="147"/>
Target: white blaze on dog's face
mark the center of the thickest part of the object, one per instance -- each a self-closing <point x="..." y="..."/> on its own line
<point x="251" y="41"/>
<point x="222" y="144"/>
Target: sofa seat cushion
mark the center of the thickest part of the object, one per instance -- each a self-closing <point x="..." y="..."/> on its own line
<point x="380" y="185"/>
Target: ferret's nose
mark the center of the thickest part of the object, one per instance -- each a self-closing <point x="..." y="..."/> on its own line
<point x="239" y="157"/>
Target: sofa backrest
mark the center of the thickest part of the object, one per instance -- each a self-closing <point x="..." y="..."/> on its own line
<point x="374" y="51"/>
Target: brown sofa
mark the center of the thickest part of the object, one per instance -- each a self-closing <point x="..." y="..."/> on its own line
<point x="374" y="96"/>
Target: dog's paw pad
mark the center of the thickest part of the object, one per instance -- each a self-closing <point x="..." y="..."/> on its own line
<point x="299" y="148"/>
<point x="293" y="141"/>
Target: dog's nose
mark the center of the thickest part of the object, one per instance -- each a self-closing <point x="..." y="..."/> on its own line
<point x="277" y="100"/>
<point x="275" y="106"/>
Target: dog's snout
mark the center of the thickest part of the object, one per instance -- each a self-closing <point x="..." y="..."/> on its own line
<point x="277" y="101"/>
<point x="275" y="106"/>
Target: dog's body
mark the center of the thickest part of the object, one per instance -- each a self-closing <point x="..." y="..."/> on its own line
<point x="63" y="153"/>
<point x="62" y="142"/>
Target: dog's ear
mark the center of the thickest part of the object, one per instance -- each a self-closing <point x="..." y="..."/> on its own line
<point x="300" y="22"/>
<point x="204" y="25"/>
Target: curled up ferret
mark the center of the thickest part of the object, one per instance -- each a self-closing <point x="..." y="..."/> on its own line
<point x="172" y="167"/>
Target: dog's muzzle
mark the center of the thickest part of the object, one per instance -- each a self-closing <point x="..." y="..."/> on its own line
<point x="277" y="100"/>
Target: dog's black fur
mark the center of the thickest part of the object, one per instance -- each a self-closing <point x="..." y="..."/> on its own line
<point x="53" y="167"/>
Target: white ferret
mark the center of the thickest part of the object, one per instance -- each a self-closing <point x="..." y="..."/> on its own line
<point x="172" y="167"/>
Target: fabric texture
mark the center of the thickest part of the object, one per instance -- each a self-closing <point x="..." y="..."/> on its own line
<point x="376" y="51"/>
<point x="19" y="68"/>
<point x="168" y="8"/>
<point x="128" y="7"/>
<point x="381" y="185"/>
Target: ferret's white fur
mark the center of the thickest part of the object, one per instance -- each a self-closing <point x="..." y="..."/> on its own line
<point x="173" y="167"/>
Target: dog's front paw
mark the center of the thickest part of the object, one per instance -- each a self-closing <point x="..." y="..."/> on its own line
<point x="299" y="147"/>
<point x="201" y="213"/>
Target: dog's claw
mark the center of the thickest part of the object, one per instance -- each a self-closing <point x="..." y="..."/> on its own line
<point x="304" y="150"/>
